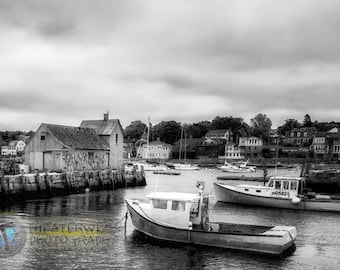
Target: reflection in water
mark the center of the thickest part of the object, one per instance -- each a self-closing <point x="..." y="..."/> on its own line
<point x="318" y="244"/>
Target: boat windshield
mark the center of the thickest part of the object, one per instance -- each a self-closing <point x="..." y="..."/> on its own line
<point x="277" y="184"/>
<point x="293" y="185"/>
<point x="159" y="204"/>
<point x="178" y="206"/>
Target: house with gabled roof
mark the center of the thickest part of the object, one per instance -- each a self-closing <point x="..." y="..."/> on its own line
<point x="58" y="147"/>
<point x="155" y="150"/>
<point x="219" y="134"/>
<point x="111" y="132"/>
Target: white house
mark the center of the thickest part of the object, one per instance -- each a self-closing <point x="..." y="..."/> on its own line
<point x="232" y="151"/>
<point x="219" y="134"/>
<point x="13" y="148"/>
<point x="155" y="150"/>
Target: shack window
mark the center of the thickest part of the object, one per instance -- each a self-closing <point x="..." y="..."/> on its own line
<point x="116" y="138"/>
<point x="160" y="204"/>
<point x="42" y="137"/>
<point x="285" y="184"/>
<point x="277" y="184"/>
<point x="178" y="206"/>
<point x="293" y="185"/>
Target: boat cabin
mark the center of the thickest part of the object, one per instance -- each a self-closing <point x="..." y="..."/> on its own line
<point x="181" y="210"/>
<point x="277" y="186"/>
<point x="286" y="186"/>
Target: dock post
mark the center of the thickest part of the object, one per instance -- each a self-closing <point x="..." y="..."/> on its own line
<point x="47" y="183"/>
<point x="22" y="183"/>
<point x="37" y="181"/>
<point x="2" y="183"/>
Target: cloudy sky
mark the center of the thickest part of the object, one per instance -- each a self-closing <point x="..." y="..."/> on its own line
<point x="64" y="61"/>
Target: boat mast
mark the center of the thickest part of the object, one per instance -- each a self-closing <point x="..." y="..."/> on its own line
<point x="185" y="148"/>
<point x="147" y="140"/>
<point x="180" y="145"/>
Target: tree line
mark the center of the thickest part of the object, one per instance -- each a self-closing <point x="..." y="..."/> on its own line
<point x="260" y="126"/>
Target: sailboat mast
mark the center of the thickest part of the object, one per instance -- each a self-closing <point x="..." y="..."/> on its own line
<point x="185" y="148"/>
<point x="147" y="140"/>
<point x="180" y="144"/>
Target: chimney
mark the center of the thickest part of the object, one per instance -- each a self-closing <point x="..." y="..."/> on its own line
<point x="106" y="117"/>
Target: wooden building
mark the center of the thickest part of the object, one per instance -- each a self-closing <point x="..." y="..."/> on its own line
<point x="57" y="147"/>
<point x="111" y="132"/>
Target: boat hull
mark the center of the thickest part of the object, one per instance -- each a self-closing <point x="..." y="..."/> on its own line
<point x="224" y="193"/>
<point x="275" y="244"/>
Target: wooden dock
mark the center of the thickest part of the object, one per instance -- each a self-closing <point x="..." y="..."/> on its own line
<point x="49" y="184"/>
<point x="243" y="178"/>
<point x="167" y="172"/>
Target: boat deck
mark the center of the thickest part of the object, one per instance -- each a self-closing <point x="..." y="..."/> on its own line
<point x="232" y="228"/>
<point x="243" y="228"/>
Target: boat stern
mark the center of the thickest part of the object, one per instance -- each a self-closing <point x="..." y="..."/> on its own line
<point x="286" y="236"/>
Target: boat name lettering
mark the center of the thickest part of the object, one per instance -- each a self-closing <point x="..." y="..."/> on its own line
<point x="280" y="193"/>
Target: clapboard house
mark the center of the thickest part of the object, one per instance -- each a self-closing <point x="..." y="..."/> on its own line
<point x="58" y="147"/>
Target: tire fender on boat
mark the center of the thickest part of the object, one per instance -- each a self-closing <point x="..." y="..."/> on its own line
<point x="296" y="200"/>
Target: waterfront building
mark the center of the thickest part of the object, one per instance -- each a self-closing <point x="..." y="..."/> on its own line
<point x="326" y="145"/>
<point x="250" y="146"/>
<point x="300" y="136"/>
<point x="219" y="134"/>
<point x="156" y="150"/>
<point x="58" y="147"/>
<point x="187" y="148"/>
<point x="233" y="151"/>
<point x="319" y="145"/>
<point x="211" y="149"/>
<point x="111" y="132"/>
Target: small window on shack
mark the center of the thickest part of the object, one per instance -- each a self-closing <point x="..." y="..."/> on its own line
<point x="293" y="185"/>
<point x="285" y="184"/>
<point x="277" y="184"/>
<point x="160" y="204"/>
<point x="178" y="206"/>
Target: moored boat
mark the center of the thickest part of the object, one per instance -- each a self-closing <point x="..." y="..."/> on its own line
<point x="240" y="167"/>
<point x="185" y="166"/>
<point x="279" y="192"/>
<point x="183" y="217"/>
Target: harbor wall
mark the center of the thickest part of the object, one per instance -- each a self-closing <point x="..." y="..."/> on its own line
<point x="47" y="184"/>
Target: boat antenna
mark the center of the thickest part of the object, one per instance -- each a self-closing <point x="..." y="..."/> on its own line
<point x="276" y="154"/>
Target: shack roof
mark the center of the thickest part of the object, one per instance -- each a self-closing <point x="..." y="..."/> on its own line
<point x="77" y="137"/>
<point x="102" y="127"/>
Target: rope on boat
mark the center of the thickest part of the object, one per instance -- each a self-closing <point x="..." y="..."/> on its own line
<point x="125" y="216"/>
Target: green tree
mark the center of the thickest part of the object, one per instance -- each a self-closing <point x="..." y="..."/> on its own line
<point x="135" y="130"/>
<point x="197" y="130"/>
<point x="288" y="126"/>
<point x="167" y="131"/>
<point x="226" y="122"/>
<point x="307" y="121"/>
<point x="261" y="125"/>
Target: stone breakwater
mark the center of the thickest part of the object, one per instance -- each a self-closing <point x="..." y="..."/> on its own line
<point x="47" y="184"/>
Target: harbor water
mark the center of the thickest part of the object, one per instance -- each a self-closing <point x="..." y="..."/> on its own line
<point x="89" y="231"/>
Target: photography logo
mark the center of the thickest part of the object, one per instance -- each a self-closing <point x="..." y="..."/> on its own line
<point x="12" y="236"/>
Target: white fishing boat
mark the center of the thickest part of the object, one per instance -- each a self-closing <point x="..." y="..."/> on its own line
<point x="279" y="192"/>
<point x="185" y="166"/>
<point x="183" y="217"/>
<point x="240" y="167"/>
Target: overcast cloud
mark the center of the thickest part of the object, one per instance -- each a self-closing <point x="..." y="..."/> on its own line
<point x="64" y="61"/>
